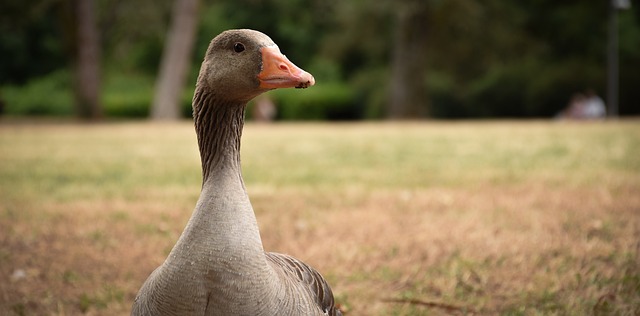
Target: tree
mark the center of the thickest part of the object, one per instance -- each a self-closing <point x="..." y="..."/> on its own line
<point x="87" y="84"/>
<point x="483" y="59"/>
<point x="175" y="61"/>
<point x="408" y="95"/>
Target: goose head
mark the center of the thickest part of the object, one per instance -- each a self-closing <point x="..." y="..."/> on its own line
<point x="241" y="64"/>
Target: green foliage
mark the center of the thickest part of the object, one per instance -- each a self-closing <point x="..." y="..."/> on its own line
<point x="133" y="33"/>
<point x="331" y="101"/>
<point x="500" y="92"/>
<point x="47" y="95"/>
<point x="629" y="60"/>
<point x="127" y="95"/>
<point x="212" y="22"/>
<point x="30" y="41"/>
<point x="146" y="56"/>
<point x="495" y="58"/>
<point x="446" y="102"/>
<point x="371" y="91"/>
<point x="550" y="91"/>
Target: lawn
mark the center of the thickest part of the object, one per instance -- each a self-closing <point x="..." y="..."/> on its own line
<point x="417" y="218"/>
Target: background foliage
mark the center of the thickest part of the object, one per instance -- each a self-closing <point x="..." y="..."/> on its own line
<point x="494" y="58"/>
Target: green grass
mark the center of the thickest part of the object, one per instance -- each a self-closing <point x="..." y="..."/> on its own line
<point x="418" y="218"/>
<point x="436" y="154"/>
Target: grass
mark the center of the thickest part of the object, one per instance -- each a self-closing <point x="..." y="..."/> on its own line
<point x="431" y="218"/>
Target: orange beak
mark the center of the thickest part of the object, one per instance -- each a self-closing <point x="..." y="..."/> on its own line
<point x="279" y="72"/>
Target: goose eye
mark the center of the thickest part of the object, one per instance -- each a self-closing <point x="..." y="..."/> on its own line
<point x="238" y="47"/>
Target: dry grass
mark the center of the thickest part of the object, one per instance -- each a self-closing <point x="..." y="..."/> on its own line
<point x="507" y="218"/>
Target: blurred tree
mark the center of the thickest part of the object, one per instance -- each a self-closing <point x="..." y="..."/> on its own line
<point x="87" y="79"/>
<point x="408" y="96"/>
<point x="176" y="60"/>
<point x="629" y="60"/>
<point x="133" y="33"/>
<point x="357" y="43"/>
<point x="29" y="32"/>
<point x="494" y="58"/>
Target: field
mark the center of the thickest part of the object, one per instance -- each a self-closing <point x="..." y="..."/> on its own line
<point x="418" y="218"/>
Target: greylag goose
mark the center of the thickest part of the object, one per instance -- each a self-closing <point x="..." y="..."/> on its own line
<point x="218" y="265"/>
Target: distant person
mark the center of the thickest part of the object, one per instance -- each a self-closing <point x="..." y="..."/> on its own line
<point x="594" y="107"/>
<point x="584" y="107"/>
<point x="575" y="108"/>
<point x="264" y="110"/>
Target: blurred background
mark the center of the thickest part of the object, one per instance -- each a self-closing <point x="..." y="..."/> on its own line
<point x="372" y="60"/>
<point x="512" y="217"/>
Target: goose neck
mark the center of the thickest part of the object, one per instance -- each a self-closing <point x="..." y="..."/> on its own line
<point x="219" y="129"/>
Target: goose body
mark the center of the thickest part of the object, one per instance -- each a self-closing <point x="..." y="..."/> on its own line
<point x="218" y="265"/>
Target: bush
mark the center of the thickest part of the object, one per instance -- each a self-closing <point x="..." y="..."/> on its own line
<point x="444" y="97"/>
<point x="127" y="95"/>
<point x="123" y="95"/>
<point x="530" y="88"/>
<point x="372" y="91"/>
<point x="130" y="95"/>
<point x="550" y="91"/>
<point x="48" y="95"/>
<point x="331" y="101"/>
<point x="499" y="93"/>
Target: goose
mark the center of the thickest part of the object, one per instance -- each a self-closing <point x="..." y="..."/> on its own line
<point x="218" y="265"/>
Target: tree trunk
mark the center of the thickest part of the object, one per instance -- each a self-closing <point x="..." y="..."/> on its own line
<point x="408" y="97"/>
<point x="175" y="61"/>
<point x="87" y="78"/>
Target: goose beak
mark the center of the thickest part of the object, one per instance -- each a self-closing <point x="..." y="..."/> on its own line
<point x="279" y="72"/>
